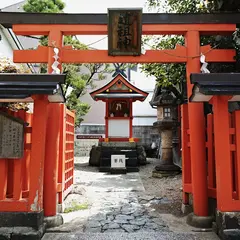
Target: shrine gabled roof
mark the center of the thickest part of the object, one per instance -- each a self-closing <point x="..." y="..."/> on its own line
<point x="21" y="87"/>
<point x="119" y="87"/>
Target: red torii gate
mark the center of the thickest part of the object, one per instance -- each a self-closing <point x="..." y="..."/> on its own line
<point x="189" y="54"/>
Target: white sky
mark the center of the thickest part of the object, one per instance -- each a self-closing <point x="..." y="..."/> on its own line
<point x="100" y="6"/>
<point x="92" y="6"/>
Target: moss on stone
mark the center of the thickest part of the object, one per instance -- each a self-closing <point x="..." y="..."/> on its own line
<point x="75" y="206"/>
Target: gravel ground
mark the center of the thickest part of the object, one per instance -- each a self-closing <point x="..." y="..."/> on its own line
<point x="169" y="188"/>
<point x="137" y="204"/>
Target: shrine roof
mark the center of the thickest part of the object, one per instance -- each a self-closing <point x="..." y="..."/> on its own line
<point x="7" y="19"/>
<point x="210" y="84"/>
<point x="119" y="87"/>
<point x="21" y="87"/>
<point x="163" y="96"/>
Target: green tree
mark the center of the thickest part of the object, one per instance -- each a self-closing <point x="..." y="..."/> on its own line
<point x="44" y="6"/>
<point x="174" y="75"/>
<point x="78" y="75"/>
<point x="7" y="66"/>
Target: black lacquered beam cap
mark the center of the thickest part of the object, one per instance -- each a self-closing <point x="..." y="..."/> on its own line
<point x="8" y="19"/>
<point x="207" y="85"/>
<point x="20" y="87"/>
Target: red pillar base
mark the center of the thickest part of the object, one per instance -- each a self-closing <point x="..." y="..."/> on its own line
<point x="199" y="221"/>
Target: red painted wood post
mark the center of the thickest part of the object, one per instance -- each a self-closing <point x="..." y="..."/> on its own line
<point x="186" y="160"/>
<point x="38" y="154"/>
<point x="3" y="178"/>
<point x="62" y="149"/>
<point x="237" y="127"/>
<point x="18" y="167"/>
<point x="106" y="119"/>
<point x="51" y="160"/>
<point x="130" y="119"/>
<point x="179" y="130"/>
<point x="55" y="39"/>
<point x="27" y="151"/>
<point x="232" y="132"/>
<point x="197" y="131"/>
<point x="211" y="162"/>
<point x="222" y="152"/>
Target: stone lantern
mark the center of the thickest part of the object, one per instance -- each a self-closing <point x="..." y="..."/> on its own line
<point x="165" y="102"/>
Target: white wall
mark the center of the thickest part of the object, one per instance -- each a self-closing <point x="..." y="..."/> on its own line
<point x="143" y="113"/>
<point x="141" y="81"/>
<point x="6" y="49"/>
<point x="118" y="128"/>
<point x="144" y="121"/>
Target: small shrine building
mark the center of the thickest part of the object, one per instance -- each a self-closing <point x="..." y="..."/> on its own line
<point x="118" y="151"/>
<point x="119" y="95"/>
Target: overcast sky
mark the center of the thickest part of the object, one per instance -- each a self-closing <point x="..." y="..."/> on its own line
<point x="88" y="6"/>
<point x="92" y="6"/>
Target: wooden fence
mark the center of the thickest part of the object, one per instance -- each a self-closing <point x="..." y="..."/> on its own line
<point x="15" y="177"/>
<point x="15" y="173"/>
<point x="234" y="141"/>
<point x="66" y="159"/>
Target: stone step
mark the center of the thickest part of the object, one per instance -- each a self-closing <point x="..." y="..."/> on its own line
<point x="119" y="151"/>
<point x="108" y="154"/>
<point x="145" y="235"/>
<point x="108" y="169"/>
<point x="118" y="144"/>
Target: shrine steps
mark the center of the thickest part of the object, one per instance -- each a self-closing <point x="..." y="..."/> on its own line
<point x="129" y="149"/>
<point x="130" y="155"/>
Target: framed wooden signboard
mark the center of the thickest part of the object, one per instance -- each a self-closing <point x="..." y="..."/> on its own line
<point x="11" y="136"/>
<point x="124" y="32"/>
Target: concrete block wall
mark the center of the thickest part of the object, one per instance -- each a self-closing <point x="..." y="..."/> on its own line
<point x="147" y="135"/>
<point x="82" y="147"/>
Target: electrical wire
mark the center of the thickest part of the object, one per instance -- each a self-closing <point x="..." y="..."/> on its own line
<point x="97" y="41"/>
<point x="173" y="55"/>
<point x="191" y="57"/>
<point x="88" y="45"/>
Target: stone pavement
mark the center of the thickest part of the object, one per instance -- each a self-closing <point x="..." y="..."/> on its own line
<point x="129" y="236"/>
<point x="121" y="212"/>
<point x="119" y="209"/>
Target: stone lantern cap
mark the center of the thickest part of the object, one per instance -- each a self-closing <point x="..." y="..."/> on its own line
<point x="162" y="97"/>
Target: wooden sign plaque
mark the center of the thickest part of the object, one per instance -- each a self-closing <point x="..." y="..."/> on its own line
<point x="124" y="32"/>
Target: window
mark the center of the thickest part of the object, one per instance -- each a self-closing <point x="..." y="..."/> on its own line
<point x="166" y="112"/>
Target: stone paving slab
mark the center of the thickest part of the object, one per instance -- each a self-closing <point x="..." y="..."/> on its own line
<point x="119" y="208"/>
<point x="131" y="236"/>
